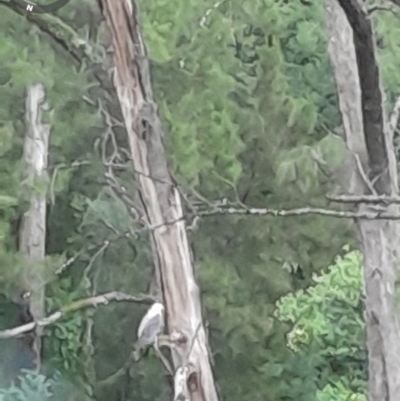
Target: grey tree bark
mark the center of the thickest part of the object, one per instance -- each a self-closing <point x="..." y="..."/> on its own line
<point x="162" y="204"/>
<point x="32" y="233"/>
<point x="373" y="171"/>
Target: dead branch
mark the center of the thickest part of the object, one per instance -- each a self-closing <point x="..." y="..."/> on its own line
<point x="89" y="266"/>
<point x="376" y="8"/>
<point x="303" y="211"/>
<point x="363" y="174"/>
<point x="164" y="361"/>
<point x="374" y="199"/>
<point x="164" y="341"/>
<point x="192" y="343"/>
<point x="67" y="263"/>
<point x="57" y="168"/>
<point x="92" y="302"/>
<point x="108" y="381"/>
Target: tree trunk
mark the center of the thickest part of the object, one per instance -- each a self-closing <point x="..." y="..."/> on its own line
<point x="370" y="139"/>
<point x="162" y="204"/>
<point x="32" y="232"/>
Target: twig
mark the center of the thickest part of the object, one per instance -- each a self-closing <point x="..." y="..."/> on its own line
<point x="364" y="175"/>
<point x="120" y="372"/>
<point x="68" y="263"/>
<point x="128" y="363"/>
<point x="373" y="9"/>
<point x="53" y="179"/>
<point x="164" y="361"/>
<point x="192" y="342"/>
<point x="232" y="185"/>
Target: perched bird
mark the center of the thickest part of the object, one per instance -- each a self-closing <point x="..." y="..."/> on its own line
<point x="150" y="327"/>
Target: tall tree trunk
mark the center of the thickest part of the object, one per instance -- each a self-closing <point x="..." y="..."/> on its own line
<point x="370" y="140"/>
<point x="162" y="203"/>
<point x="32" y="232"/>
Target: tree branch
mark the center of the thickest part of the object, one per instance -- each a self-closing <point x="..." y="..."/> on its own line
<point x="372" y="214"/>
<point x="375" y="8"/>
<point x="371" y="95"/>
<point x="364" y="199"/>
<point x="92" y="302"/>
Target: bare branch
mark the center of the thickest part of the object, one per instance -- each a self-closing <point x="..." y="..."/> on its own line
<point x="108" y="381"/>
<point x="164" y="361"/>
<point x="133" y="357"/>
<point x="375" y="8"/>
<point x="67" y="263"/>
<point x="364" y="199"/>
<point x="303" y="211"/>
<point x="88" y="268"/>
<point x="92" y="302"/>
<point x="192" y="342"/>
<point x="363" y="174"/>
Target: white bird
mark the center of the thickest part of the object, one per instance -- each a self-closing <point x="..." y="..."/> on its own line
<point x="150" y="327"/>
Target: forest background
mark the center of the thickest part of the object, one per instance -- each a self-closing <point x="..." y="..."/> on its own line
<point x="250" y="113"/>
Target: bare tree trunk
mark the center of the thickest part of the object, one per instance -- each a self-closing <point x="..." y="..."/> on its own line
<point x="32" y="232"/>
<point x="162" y="203"/>
<point x="370" y="142"/>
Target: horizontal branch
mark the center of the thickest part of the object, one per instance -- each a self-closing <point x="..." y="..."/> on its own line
<point x="92" y="302"/>
<point x="374" y="199"/>
<point x="303" y="211"/>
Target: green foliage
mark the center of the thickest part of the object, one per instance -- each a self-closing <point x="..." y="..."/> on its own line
<point x="388" y="44"/>
<point x="65" y="335"/>
<point x="32" y="387"/>
<point x="327" y="321"/>
<point x="339" y="392"/>
<point x="37" y="387"/>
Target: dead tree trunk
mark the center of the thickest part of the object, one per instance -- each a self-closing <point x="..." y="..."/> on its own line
<point x="373" y="171"/>
<point x="161" y="202"/>
<point x="32" y="232"/>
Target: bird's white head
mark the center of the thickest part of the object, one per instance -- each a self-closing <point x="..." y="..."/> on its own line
<point x="157" y="308"/>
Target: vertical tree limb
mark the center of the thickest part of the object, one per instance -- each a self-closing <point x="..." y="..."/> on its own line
<point x="161" y="201"/>
<point x="342" y="53"/>
<point x="371" y="97"/>
<point x="32" y="233"/>
<point x="352" y="48"/>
